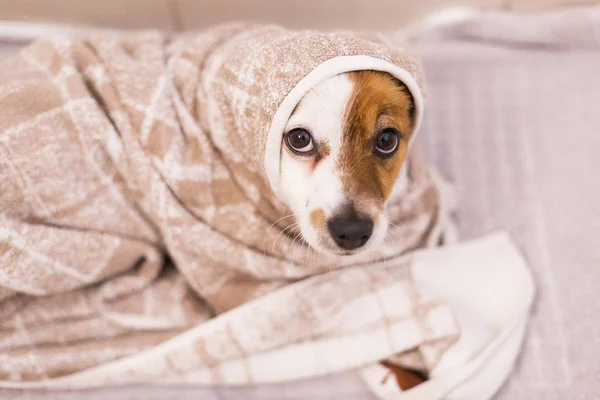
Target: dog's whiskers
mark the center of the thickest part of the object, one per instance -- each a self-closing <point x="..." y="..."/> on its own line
<point x="292" y="226"/>
<point x="393" y="225"/>
<point x="395" y="250"/>
<point x="271" y="226"/>
<point x="295" y="245"/>
<point x="307" y="257"/>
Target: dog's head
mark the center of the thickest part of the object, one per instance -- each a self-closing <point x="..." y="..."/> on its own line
<point x="342" y="151"/>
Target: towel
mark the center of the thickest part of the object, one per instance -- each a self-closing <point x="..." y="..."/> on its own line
<point x="143" y="237"/>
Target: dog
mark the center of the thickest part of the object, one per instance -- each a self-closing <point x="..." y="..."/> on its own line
<point x="342" y="152"/>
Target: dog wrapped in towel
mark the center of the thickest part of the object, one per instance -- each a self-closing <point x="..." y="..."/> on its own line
<point x="144" y="238"/>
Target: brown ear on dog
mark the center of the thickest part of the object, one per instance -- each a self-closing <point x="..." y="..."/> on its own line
<point x="412" y="108"/>
<point x="405" y="378"/>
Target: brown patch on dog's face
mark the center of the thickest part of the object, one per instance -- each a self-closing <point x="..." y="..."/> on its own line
<point x="317" y="218"/>
<point x="379" y="102"/>
<point x="323" y="151"/>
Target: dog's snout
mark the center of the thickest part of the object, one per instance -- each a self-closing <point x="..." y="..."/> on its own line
<point x="350" y="231"/>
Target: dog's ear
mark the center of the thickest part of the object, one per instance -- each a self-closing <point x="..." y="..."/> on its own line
<point x="411" y="107"/>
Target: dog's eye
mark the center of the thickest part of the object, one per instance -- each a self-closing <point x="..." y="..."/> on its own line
<point x="387" y="142"/>
<point x="299" y="141"/>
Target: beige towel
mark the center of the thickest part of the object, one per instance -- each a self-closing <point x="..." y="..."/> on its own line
<point x="139" y="200"/>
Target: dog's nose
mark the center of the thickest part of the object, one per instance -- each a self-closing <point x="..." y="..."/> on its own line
<point x="350" y="232"/>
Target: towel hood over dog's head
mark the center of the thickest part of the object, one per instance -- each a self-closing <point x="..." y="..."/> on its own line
<point x="261" y="74"/>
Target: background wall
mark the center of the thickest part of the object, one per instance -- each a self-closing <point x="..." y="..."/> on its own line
<point x="191" y="14"/>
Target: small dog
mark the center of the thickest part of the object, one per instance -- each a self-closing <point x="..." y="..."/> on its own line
<point x="343" y="149"/>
